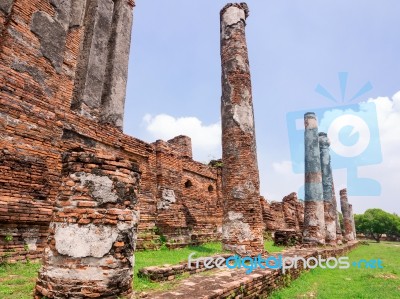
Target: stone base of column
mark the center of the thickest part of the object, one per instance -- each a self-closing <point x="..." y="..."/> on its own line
<point x="242" y="238"/>
<point x="339" y="239"/>
<point x="349" y="237"/>
<point x="330" y="223"/>
<point x="93" y="230"/>
<point x="314" y="227"/>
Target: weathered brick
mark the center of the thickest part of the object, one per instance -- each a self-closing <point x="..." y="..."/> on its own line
<point x="242" y="230"/>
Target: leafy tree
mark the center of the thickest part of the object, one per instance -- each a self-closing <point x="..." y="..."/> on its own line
<point x="376" y="222"/>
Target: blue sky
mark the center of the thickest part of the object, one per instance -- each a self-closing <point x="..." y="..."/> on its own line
<point x="174" y="83"/>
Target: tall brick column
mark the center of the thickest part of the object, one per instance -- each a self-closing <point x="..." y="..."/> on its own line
<point x="102" y="68"/>
<point x="339" y="236"/>
<point x="93" y="229"/>
<point x="242" y="223"/>
<point x="353" y="223"/>
<point x="346" y="211"/>
<point x="327" y="186"/>
<point x="116" y="75"/>
<point x="314" y="222"/>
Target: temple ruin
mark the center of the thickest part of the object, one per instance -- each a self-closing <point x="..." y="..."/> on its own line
<point x="348" y="218"/>
<point x="327" y="186"/>
<point x="339" y="234"/>
<point x="242" y="230"/>
<point x="93" y="229"/>
<point x="314" y="219"/>
<point x="78" y="193"/>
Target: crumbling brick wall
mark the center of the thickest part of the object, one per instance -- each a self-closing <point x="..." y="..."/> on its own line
<point x="287" y="214"/>
<point x="189" y="207"/>
<point x="25" y="187"/>
<point x="41" y="61"/>
<point x="39" y="48"/>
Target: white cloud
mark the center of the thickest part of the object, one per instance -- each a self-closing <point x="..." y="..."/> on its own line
<point x="386" y="173"/>
<point x="284" y="167"/>
<point x="206" y="139"/>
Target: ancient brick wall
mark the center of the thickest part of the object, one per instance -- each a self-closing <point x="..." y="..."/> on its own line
<point x="202" y="201"/>
<point x="39" y="49"/>
<point x="25" y="186"/>
<point x="30" y="90"/>
<point x="285" y="215"/>
<point x="189" y="207"/>
<point x="55" y="96"/>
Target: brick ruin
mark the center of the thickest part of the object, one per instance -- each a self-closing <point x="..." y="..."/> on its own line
<point x="330" y="204"/>
<point x="284" y="219"/>
<point x="93" y="229"/>
<point x="339" y="234"/>
<point x="348" y="217"/>
<point x="189" y="204"/>
<point x="314" y="219"/>
<point x="242" y="230"/>
<point x="287" y="214"/>
<point x="70" y="176"/>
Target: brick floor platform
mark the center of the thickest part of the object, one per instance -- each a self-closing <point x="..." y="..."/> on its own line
<point x="235" y="283"/>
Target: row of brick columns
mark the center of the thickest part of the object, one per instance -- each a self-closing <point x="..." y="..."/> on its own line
<point x="242" y="223"/>
<point x="321" y="221"/>
<point x="93" y="229"/>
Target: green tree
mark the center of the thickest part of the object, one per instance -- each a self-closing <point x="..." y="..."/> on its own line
<point x="376" y="222"/>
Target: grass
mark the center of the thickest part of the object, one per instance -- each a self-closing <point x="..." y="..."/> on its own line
<point x="165" y="256"/>
<point x="271" y="248"/>
<point x="18" y="280"/>
<point x="353" y="282"/>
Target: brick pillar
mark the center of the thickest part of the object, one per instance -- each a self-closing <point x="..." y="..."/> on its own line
<point x="314" y="222"/>
<point x="347" y="223"/>
<point x="102" y="68"/>
<point x="353" y="224"/>
<point x="93" y="229"/>
<point x="327" y="186"/>
<point x="116" y="76"/>
<point x="242" y="224"/>
<point x="182" y="144"/>
<point x="339" y="236"/>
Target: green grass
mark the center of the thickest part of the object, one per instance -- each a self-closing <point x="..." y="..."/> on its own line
<point x="271" y="248"/>
<point x="18" y="280"/>
<point x="353" y="282"/>
<point x="165" y="256"/>
<point x="171" y="257"/>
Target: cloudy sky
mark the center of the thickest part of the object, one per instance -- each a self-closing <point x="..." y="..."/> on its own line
<point x="348" y="51"/>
